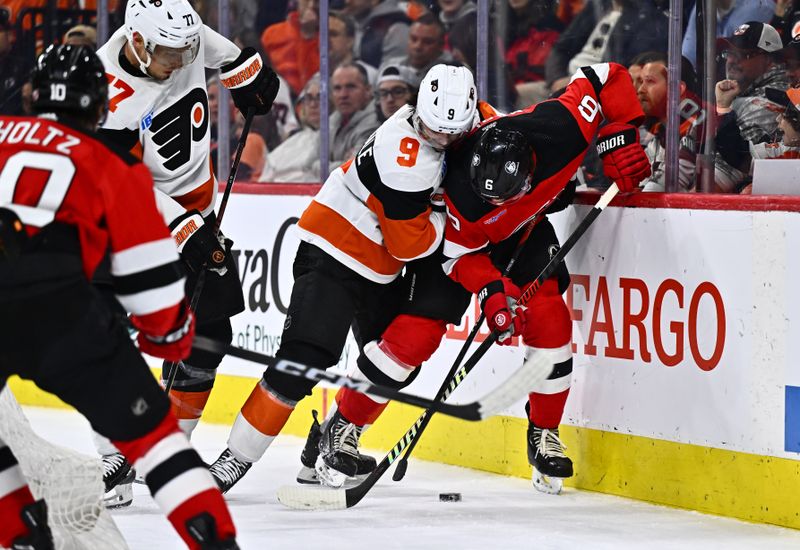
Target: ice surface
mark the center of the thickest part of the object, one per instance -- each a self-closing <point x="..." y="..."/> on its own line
<point x="496" y="512"/>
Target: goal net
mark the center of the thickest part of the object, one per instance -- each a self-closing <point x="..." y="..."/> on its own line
<point x="70" y="483"/>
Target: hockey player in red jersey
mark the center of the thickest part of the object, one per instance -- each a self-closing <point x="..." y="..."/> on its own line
<point x="67" y="201"/>
<point x="517" y="166"/>
<point x="158" y="108"/>
<point x="372" y="216"/>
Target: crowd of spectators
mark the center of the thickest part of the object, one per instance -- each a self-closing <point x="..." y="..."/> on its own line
<point x="379" y="50"/>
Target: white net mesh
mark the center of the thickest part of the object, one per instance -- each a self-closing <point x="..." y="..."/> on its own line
<point x="70" y="483"/>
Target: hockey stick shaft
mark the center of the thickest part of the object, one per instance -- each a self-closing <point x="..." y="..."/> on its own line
<point x="442" y="394"/>
<point x="223" y="203"/>
<point x="470" y="411"/>
<point x="353" y="495"/>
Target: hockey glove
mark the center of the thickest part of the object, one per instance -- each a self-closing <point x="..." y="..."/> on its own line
<point x="624" y="160"/>
<point x="176" y="344"/>
<point x="498" y="300"/>
<point x="250" y="82"/>
<point x="197" y="243"/>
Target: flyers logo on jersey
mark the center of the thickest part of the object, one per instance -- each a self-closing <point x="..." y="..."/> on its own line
<point x="176" y="128"/>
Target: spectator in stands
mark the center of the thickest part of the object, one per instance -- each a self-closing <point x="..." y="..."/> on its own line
<point x="607" y="30"/>
<point x="731" y="14"/>
<point x="381" y="29"/>
<point x="81" y="35"/>
<point x="451" y="11"/>
<point x="425" y="46"/>
<point x="12" y="72"/>
<point x="293" y="45"/>
<point x="652" y="93"/>
<point x="785" y="19"/>
<point x="353" y="119"/>
<point x="788" y="147"/>
<point x="341" y="39"/>
<point x="791" y="58"/>
<point x="533" y="28"/>
<point x="296" y="160"/>
<point x="464" y="49"/>
<point x="396" y="86"/>
<point x="753" y="64"/>
<point x="255" y="149"/>
<point x="636" y="64"/>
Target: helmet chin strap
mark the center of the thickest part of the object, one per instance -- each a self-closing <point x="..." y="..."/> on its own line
<point x="142" y="65"/>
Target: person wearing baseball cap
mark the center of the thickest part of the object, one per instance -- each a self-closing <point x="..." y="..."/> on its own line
<point x="397" y="85"/>
<point x="753" y="63"/>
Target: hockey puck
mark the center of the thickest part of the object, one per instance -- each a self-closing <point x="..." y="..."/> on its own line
<point x="450" y="497"/>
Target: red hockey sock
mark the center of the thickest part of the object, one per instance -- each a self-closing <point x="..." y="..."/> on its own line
<point x="178" y="479"/>
<point x="11" y="505"/>
<point x="357" y="407"/>
<point x="547" y="409"/>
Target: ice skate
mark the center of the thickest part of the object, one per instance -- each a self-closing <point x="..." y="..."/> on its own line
<point x="203" y="529"/>
<point x="227" y="470"/>
<point x="308" y="458"/>
<point x="118" y="477"/>
<point x="546" y="455"/>
<point x="34" y="516"/>
<point x="338" y="451"/>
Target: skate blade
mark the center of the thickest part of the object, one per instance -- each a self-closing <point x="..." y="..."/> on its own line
<point x="312" y="498"/>
<point x="119" y="497"/>
<point x="328" y="477"/>
<point x="308" y="476"/>
<point x="547" y="484"/>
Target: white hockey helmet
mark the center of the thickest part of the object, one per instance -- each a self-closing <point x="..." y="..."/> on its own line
<point x="171" y="24"/>
<point x="447" y="99"/>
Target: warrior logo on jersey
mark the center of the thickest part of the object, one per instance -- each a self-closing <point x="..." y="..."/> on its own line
<point x="176" y="127"/>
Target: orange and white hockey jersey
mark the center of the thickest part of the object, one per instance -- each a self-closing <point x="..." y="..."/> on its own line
<point x="167" y="122"/>
<point x="373" y="214"/>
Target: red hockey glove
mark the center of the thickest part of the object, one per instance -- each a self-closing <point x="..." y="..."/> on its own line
<point x="624" y="160"/>
<point x="250" y="82"/>
<point x="173" y="346"/>
<point x="497" y="299"/>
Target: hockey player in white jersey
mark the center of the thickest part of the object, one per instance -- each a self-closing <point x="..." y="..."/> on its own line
<point x="158" y="109"/>
<point x="372" y="216"/>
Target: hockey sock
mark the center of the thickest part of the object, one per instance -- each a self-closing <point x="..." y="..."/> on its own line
<point x="261" y="419"/>
<point x="188" y="407"/>
<point x="14" y="495"/>
<point x="359" y="408"/>
<point x="178" y="479"/>
<point x="546" y="409"/>
<point x="411" y="340"/>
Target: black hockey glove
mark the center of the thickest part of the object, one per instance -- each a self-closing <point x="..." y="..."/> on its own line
<point x="197" y="243"/>
<point x="250" y="82"/>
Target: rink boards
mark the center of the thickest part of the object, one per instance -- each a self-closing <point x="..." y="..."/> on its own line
<point x="685" y="390"/>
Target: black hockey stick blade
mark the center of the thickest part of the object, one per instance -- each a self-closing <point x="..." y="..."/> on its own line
<point x="501" y="397"/>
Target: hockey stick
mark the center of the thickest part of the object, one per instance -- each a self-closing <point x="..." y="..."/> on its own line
<point x="322" y="498"/>
<point x="441" y="395"/>
<point x="496" y="400"/>
<point x="172" y="368"/>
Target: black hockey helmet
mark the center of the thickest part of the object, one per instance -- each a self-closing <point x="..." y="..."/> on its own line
<point x="69" y="79"/>
<point x="501" y="166"/>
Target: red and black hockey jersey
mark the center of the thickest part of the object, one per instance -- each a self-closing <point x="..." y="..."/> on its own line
<point x="53" y="173"/>
<point x="560" y="131"/>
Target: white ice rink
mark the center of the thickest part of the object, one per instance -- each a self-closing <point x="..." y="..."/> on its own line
<point x="496" y="512"/>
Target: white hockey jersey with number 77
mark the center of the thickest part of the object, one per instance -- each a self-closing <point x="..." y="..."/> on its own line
<point x="168" y="119"/>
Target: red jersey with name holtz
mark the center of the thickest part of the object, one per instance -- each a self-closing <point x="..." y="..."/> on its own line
<point x="51" y="172"/>
<point x="560" y="131"/>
